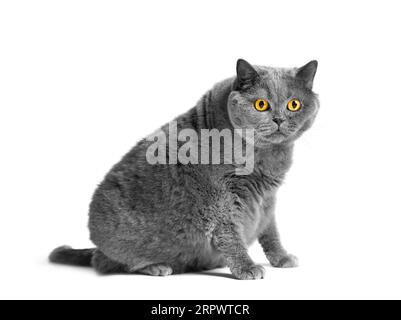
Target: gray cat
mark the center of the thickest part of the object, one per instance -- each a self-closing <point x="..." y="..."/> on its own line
<point x="162" y="219"/>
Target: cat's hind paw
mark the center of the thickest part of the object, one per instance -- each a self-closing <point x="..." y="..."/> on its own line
<point x="288" y="261"/>
<point x="157" y="270"/>
<point x="253" y="272"/>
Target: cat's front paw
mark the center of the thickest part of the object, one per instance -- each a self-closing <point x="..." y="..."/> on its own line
<point x="252" y="272"/>
<point x="288" y="261"/>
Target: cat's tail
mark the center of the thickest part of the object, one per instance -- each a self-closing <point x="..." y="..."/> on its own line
<point x="67" y="255"/>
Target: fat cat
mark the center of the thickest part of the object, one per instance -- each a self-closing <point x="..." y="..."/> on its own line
<point x="162" y="219"/>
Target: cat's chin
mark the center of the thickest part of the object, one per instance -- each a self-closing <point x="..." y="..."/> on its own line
<point x="274" y="138"/>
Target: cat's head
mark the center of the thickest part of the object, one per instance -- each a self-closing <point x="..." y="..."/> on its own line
<point x="277" y="103"/>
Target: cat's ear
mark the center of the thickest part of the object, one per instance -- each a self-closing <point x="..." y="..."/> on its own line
<point x="246" y="74"/>
<point x="307" y="73"/>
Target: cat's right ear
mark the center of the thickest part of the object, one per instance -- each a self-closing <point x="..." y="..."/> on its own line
<point x="246" y="75"/>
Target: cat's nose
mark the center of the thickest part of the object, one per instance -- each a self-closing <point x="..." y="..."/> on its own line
<point x="278" y="121"/>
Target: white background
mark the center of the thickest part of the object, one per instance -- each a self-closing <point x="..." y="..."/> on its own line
<point x="82" y="81"/>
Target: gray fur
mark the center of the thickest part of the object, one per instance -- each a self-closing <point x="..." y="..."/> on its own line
<point x="163" y="219"/>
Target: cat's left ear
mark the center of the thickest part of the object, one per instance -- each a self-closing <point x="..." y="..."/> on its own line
<point x="307" y="73"/>
<point x="246" y="74"/>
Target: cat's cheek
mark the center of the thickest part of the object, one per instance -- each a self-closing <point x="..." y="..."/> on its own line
<point x="236" y="121"/>
<point x="235" y="115"/>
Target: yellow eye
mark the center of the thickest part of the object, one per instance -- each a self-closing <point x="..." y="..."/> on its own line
<point x="294" y="105"/>
<point x="261" y="105"/>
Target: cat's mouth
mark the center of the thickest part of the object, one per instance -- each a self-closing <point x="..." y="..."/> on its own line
<point x="278" y="132"/>
<point x="275" y="137"/>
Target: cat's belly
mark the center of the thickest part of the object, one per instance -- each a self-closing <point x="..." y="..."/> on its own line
<point x="200" y="255"/>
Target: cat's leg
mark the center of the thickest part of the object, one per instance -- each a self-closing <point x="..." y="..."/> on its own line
<point x="229" y="242"/>
<point x="156" y="270"/>
<point x="274" y="250"/>
<point x="105" y="265"/>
